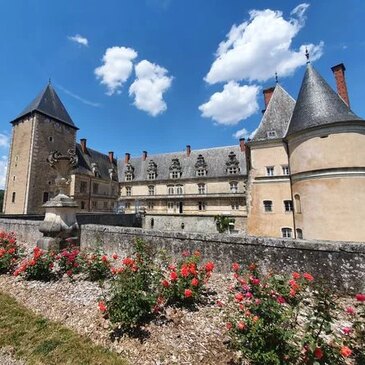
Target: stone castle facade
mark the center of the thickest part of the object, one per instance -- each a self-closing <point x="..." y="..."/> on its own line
<point x="302" y="175"/>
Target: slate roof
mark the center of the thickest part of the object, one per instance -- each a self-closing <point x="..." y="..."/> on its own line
<point x="48" y="103"/>
<point x="215" y="159"/>
<point x="276" y="117"/>
<point x="318" y="104"/>
<point x="87" y="159"/>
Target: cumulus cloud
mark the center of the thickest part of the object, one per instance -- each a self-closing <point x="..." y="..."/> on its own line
<point x="116" y="69"/>
<point x="79" y="39"/>
<point x="3" y="168"/>
<point x="231" y="105"/>
<point x="254" y="50"/>
<point x="244" y="133"/>
<point x="4" y="140"/>
<point x="149" y="86"/>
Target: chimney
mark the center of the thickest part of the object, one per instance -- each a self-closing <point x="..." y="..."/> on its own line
<point x="127" y="157"/>
<point x="188" y="150"/>
<point x="267" y="95"/>
<point x="111" y="156"/>
<point x="339" y="73"/>
<point x="83" y="145"/>
<point x="144" y="155"/>
<point x="242" y="145"/>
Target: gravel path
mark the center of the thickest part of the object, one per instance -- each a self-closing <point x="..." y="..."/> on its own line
<point x="7" y="357"/>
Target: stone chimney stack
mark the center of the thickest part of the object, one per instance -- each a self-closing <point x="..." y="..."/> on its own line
<point x="111" y="156"/>
<point x="242" y="145"/>
<point x="144" y="155"/>
<point x="267" y="95"/>
<point x="188" y="150"/>
<point x="339" y="73"/>
<point x="83" y="145"/>
<point x="127" y="157"/>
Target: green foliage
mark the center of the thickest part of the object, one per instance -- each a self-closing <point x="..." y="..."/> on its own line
<point x="69" y="261"/>
<point x="9" y="252"/>
<point x="95" y="265"/>
<point x="223" y="223"/>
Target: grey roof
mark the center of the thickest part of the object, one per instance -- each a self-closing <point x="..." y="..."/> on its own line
<point x="318" y="104"/>
<point x="276" y="117"/>
<point x="91" y="156"/>
<point x="215" y="159"/>
<point x="49" y="104"/>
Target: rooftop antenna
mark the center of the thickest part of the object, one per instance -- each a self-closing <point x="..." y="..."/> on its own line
<point x="276" y="78"/>
<point x="307" y="54"/>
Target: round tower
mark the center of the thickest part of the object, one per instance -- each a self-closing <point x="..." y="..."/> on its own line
<point x="326" y="144"/>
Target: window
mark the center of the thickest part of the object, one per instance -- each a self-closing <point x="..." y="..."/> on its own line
<point x="95" y="188"/>
<point x="286" y="232"/>
<point x="105" y="205"/>
<point x="268" y="205"/>
<point x="201" y="188"/>
<point x="201" y="172"/>
<point x="288" y="205"/>
<point x="170" y="190"/>
<point x="180" y="205"/>
<point x="151" y="176"/>
<point x="151" y="190"/>
<point x="50" y="138"/>
<point x="83" y="187"/>
<point x="13" y="197"/>
<point x="285" y="170"/>
<point x="232" y="170"/>
<point x="270" y="170"/>
<point x="128" y="190"/>
<point x="298" y="206"/>
<point x="235" y="206"/>
<point x="14" y="178"/>
<point x="45" y="196"/>
<point x="170" y="205"/>
<point x="94" y="204"/>
<point x="233" y="187"/>
<point x="271" y="134"/>
<point x="150" y="205"/>
<point x="179" y="189"/>
<point x="82" y="205"/>
<point x="201" y="205"/>
<point x="127" y="205"/>
<point x="175" y="174"/>
<point x="299" y="233"/>
<point x="128" y="177"/>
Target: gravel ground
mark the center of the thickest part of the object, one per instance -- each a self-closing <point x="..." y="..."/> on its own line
<point x="7" y="357"/>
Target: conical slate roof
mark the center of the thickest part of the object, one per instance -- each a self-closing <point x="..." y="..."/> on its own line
<point x="275" y="120"/>
<point x="318" y="105"/>
<point x="48" y="103"/>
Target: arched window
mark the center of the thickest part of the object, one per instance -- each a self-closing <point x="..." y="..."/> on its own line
<point x="298" y="205"/>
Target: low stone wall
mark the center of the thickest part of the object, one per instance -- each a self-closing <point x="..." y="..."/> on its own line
<point x="25" y="230"/>
<point x="341" y="265"/>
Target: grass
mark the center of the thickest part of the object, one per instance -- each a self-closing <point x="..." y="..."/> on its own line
<point x="39" y="341"/>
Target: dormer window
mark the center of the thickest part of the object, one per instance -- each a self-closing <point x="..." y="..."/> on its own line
<point x="232" y="164"/>
<point x="271" y="134"/>
<point x="175" y="169"/>
<point x="200" y="166"/>
<point x="129" y="172"/>
<point x="95" y="169"/>
<point x="151" y="170"/>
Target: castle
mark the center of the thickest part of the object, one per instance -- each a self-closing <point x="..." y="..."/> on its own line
<point x="301" y="176"/>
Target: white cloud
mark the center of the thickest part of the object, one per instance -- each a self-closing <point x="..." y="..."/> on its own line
<point x="149" y="86"/>
<point x="233" y="104"/>
<point x="244" y="133"/>
<point x="116" y="69"/>
<point x="79" y="39"/>
<point x="4" y="140"/>
<point x="3" y="168"/>
<point x="254" y="50"/>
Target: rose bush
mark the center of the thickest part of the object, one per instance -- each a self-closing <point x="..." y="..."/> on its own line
<point x="9" y="252"/>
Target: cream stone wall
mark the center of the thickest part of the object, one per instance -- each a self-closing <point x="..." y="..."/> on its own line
<point x="334" y="151"/>
<point x="21" y="151"/>
<point x="331" y="208"/>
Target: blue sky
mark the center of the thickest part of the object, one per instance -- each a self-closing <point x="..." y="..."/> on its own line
<point x="157" y="75"/>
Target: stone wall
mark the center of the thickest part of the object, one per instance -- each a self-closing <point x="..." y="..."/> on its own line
<point x="342" y="265"/>
<point x="25" y="230"/>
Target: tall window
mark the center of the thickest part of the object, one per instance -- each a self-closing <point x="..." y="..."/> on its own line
<point x="127" y="205"/>
<point x="151" y="190"/>
<point x="286" y="232"/>
<point x="179" y="189"/>
<point x="269" y="170"/>
<point x="298" y="205"/>
<point x="95" y="188"/>
<point x="83" y="186"/>
<point x="170" y="205"/>
<point x="128" y="190"/>
<point x="105" y="205"/>
<point x="268" y="205"/>
<point x="45" y="196"/>
<point x="150" y="206"/>
<point x="201" y="205"/>
<point x="170" y="190"/>
<point x="82" y="205"/>
<point x="299" y="233"/>
<point x="235" y="206"/>
<point x="233" y="187"/>
<point x="13" y="197"/>
<point x="285" y="169"/>
<point x="94" y="204"/>
<point x="201" y="188"/>
<point x="288" y="205"/>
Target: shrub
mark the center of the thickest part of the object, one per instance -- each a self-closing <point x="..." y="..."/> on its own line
<point x="9" y="252"/>
<point x="95" y="265"/>
<point x="38" y="267"/>
<point x="184" y="283"/>
<point x="69" y="261"/>
<point x="223" y="223"/>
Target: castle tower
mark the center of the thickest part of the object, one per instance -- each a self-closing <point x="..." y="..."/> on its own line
<point x="326" y="143"/>
<point x="270" y="199"/>
<point x="43" y="126"/>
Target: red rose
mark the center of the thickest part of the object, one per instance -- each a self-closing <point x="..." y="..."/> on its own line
<point x="345" y="351"/>
<point x="241" y="325"/>
<point x="165" y="283"/>
<point x="229" y="325"/>
<point x="308" y="276"/>
<point x="350" y="310"/>
<point x="235" y="266"/>
<point x="360" y="297"/>
<point x="280" y="299"/>
<point x="104" y="258"/>
<point x="296" y="275"/>
<point x="346" y="330"/>
<point x="102" y="307"/>
<point x="209" y="266"/>
<point x="173" y="276"/>
<point x="318" y="353"/>
<point x="238" y="297"/>
<point x="195" y="282"/>
<point x="115" y="256"/>
<point x="184" y="271"/>
<point x="188" y="293"/>
<point x="254" y="280"/>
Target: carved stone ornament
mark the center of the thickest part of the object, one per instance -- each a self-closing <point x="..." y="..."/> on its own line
<point x="152" y="167"/>
<point x="175" y="165"/>
<point x="232" y="160"/>
<point x="200" y="163"/>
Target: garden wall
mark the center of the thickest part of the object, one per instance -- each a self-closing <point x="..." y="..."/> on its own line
<point x="341" y="264"/>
